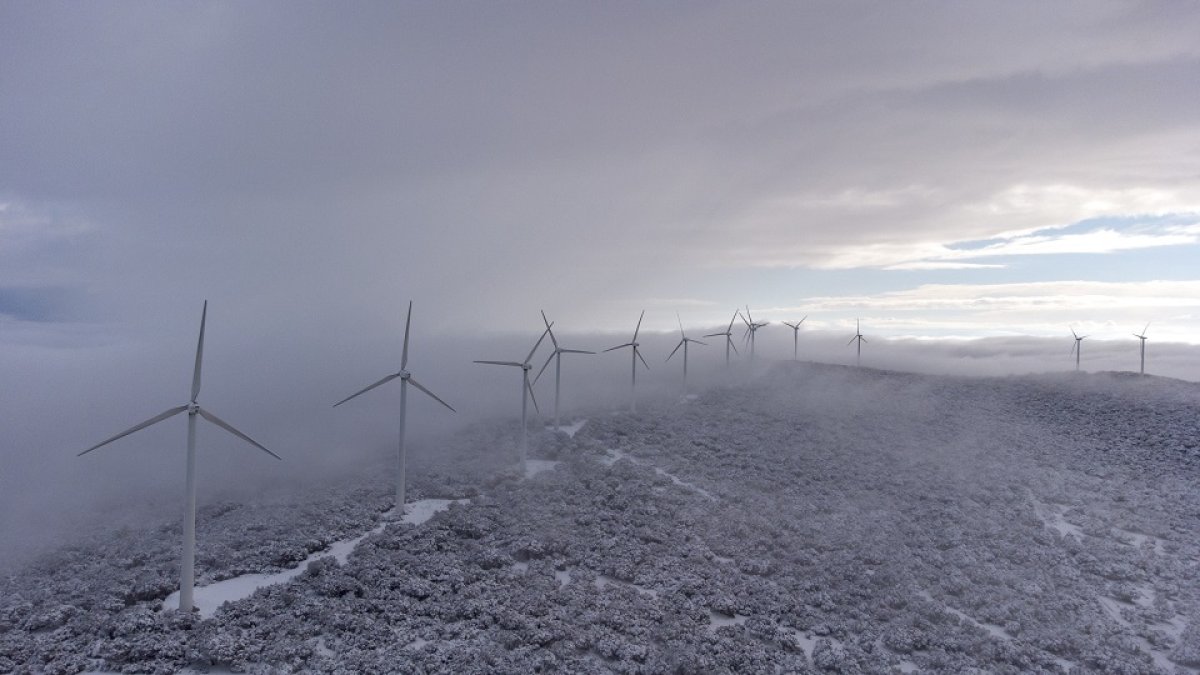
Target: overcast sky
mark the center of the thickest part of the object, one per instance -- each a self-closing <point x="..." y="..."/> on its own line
<point x="937" y="168"/>
<point x="962" y="169"/>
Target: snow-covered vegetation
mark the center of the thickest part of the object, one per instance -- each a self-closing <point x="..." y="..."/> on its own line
<point x="816" y="519"/>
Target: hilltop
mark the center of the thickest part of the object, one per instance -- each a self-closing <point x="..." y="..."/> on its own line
<point x="815" y="519"/>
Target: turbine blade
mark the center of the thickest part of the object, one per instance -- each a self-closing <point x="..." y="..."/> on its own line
<point x="547" y="322"/>
<point x="736" y="314"/>
<point x="537" y="344"/>
<point x="638" y="352"/>
<point x="862" y="338"/>
<point x="744" y="319"/>
<point x="627" y="344"/>
<point x="677" y="318"/>
<point x="226" y="426"/>
<point x="153" y="420"/>
<point x="1073" y="348"/>
<point x="199" y="354"/>
<point x="802" y="320"/>
<point x="503" y="363"/>
<point x="432" y="395"/>
<point x="575" y="351"/>
<point x="698" y="342"/>
<point x="639" y="326"/>
<point x="674" y="350"/>
<point x="407" y="323"/>
<point x="1145" y="329"/>
<point x="544" y="366"/>
<point x="1073" y="334"/>
<point x="532" y="397"/>
<point x="712" y="335"/>
<point x="851" y="340"/>
<point x="731" y="344"/>
<point x="385" y="380"/>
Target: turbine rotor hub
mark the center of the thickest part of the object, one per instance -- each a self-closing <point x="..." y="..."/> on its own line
<point x="193" y="408"/>
<point x="404" y="374"/>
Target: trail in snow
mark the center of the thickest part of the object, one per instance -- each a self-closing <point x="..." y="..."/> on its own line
<point x="570" y="429"/>
<point x="616" y="455"/>
<point x="208" y="598"/>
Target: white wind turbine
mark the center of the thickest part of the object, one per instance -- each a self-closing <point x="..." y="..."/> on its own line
<point x="1142" y="337"/>
<point x="728" y="337"/>
<point x="556" y="356"/>
<point x="858" y="336"/>
<point x="526" y="392"/>
<point x="683" y="342"/>
<point x="406" y="379"/>
<point x="187" y="567"/>
<point x="795" y="337"/>
<point x="637" y="354"/>
<point x="751" y="329"/>
<point x="1077" y="348"/>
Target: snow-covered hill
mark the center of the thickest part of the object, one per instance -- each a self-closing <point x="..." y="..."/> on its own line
<point x="819" y="518"/>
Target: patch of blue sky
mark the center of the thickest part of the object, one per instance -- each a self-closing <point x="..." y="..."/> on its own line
<point x="1148" y="223"/>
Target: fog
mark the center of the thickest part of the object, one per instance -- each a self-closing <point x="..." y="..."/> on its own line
<point x="279" y="389"/>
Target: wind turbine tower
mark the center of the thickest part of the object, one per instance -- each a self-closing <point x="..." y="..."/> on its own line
<point x="526" y="391"/>
<point x="795" y="337"/>
<point x="751" y="329"/>
<point x="858" y="336"/>
<point x="683" y="342"/>
<point x="187" y="566"/>
<point x="1142" y="337"/>
<point x="556" y="356"/>
<point x="637" y="354"/>
<point x="1077" y="348"/>
<point x="406" y="379"/>
<point x="728" y="337"/>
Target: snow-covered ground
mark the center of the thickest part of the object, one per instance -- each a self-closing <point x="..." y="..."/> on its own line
<point x="208" y="598"/>
<point x="817" y="519"/>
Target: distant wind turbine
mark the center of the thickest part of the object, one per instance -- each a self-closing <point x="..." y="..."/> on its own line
<point x="795" y="337"/>
<point x="556" y="356"/>
<point x="751" y="329"/>
<point x="526" y="391"/>
<point x="1142" y="337"/>
<point x="637" y="354"/>
<point x="187" y="567"/>
<point x="683" y="342"/>
<point x="858" y="336"/>
<point x="728" y="337"/>
<point x="406" y="379"/>
<point x="1077" y="348"/>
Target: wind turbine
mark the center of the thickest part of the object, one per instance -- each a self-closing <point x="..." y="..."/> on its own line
<point x="406" y="379"/>
<point x="187" y="566"/>
<point x="728" y="337"/>
<point x="556" y="356"/>
<point x="751" y="329"/>
<point x="859" y="337"/>
<point x="1077" y="348"/>
<point x="683" y="342"/>
<point x="1142" y="337"/>
<point x="526" y="391"/>
<point x="637" y="354"/>
<point x="795" y="337"/>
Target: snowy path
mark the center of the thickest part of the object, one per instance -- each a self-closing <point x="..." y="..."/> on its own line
<point x="616" y="455"/>
<point x="208" y="598"/>
<point x="570" y="429"/>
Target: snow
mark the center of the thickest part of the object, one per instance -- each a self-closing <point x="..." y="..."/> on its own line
<point x="207" y="599"/>
<point x="571" y="429"/>
<point x="814" y="519"/>
<point x="613" y="456"/>
<point x="535" y="466"/>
